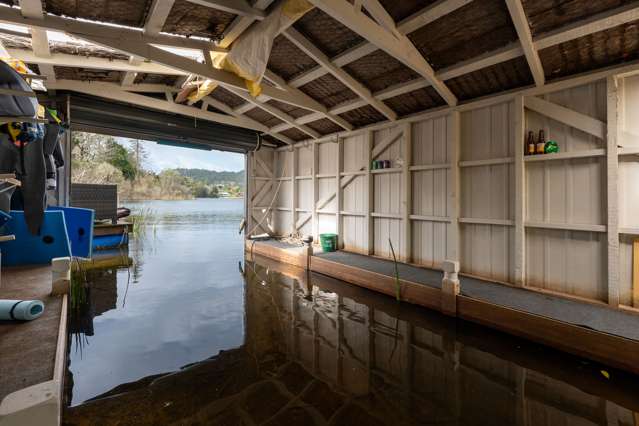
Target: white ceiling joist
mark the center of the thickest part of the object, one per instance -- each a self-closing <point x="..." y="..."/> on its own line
<point x="39" y="38"/>
<point x="236" y="7"/>
<point x="240" y="24"/>
<point x="279" y="81"/>
<point x="84" y="28"/>
<point x="417" y="20"/>
<point x="276" y="112"/>
<point x="318" y="56"/>
<point x="114" y="92"/>
<point x="92" y="62"/>
<point x="518" y="16"/>
<point x="399" y="47"/>
<point x="157" y="15"/>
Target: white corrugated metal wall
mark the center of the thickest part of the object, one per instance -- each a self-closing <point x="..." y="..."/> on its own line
<point x="474" y="153"/>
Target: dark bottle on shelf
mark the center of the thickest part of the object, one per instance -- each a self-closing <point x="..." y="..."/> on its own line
<point x="541" y="143"/>
<point x="529" y="149"/>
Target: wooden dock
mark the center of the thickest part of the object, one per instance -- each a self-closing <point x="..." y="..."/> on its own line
<point x="33" y="352"/>
<point x="595" y="331"/>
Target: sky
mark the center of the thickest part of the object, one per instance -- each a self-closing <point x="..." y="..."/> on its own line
<point x="162" y="157"/>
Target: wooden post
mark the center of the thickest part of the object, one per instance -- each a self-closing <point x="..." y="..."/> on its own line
<point x="408" y="190"/>
<point x="339" y="193"/>
<point x="248" y="192"/>
<point x="293" y="190"/>
<point x="520" y="192"/>
<point x="60" y="275"/>
<point x="370" y="198"/>
<point x="453" y="240"/>
<point x="612" y="168"/>
<point x="450" y="287"/>
<point x="314" y="214"/>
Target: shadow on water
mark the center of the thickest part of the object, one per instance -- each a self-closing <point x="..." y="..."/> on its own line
<point x="318" y="351"/>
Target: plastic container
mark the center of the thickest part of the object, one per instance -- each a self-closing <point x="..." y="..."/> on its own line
<point x="328" y="242"/>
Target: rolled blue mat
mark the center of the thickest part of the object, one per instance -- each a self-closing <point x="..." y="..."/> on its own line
<point x="22" y="310"/>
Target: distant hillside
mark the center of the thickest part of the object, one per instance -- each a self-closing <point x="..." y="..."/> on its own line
<point x="212" y="177"/>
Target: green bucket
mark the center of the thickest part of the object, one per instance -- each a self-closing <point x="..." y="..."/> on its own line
<point x="328" y="242"/>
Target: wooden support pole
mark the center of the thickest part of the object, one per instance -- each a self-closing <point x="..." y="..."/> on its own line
<point x="248" y="192"/>
<point x="408" y="191"/>
<point x="370" y="187"/>
<point x="454" y="195"/>
<point x="339" y="193"/>
<point x="314" y="214"/>
<point x="612" y="169"/>
<point x="450" y="287"/>
<point x="520" y="192"/>
<point x="293" y="190"/>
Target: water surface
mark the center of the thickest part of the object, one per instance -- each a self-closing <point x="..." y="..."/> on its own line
<point x="201" y="341"/>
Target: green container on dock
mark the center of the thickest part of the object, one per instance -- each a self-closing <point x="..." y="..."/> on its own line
<point x="328" y="242"/>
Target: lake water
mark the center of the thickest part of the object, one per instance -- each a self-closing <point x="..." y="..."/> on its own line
<point x="193" y="334"/>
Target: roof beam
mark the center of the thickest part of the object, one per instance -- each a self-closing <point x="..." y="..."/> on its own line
<point x="518" y="16"/>
<point x="67" y="60"/>
<point x="157" y="15"/>
<point x="318" y="56"/>
<point x="114" y="92"/>
<point x="80" y="29"/>
<point x="236" y="7"/>
<point x="399" y="47"/>
<point x="275" y="112"/>
<point x="39" y="38"/>
<point x="240" y="24"/>
<point x="276" y="79"/>
<point x="417" y="20"/>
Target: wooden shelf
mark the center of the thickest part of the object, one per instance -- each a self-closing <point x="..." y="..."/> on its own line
<point x="387" y="215"/>
<point x="566" y="155"/>
<point x="630" y="150"/>
<point x="489" y="162"/>
<point x="629" y="231"/>
<point x="430" y="218"/>
<point x="303" y="177"/>
<point x="383" y="171"/>
<point x="428" y="167"/>
<point x="479" y="221"/>
<point x="567" y="226"/>
<point x="326" y="176"/>
<point x="355" y="173"/>
<point x="358" y="214"/>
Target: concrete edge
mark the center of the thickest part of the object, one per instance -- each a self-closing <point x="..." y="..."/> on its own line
<point x="40" y="404"/>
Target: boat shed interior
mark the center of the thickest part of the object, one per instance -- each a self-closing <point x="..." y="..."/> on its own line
<point x="402" y="126"/>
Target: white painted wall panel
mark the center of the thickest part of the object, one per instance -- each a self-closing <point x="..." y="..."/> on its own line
<point x="305" y="194"/>
<point x="354" y="195"/>
<point x="486" y="192"/>
<point x="386" y="229"/>
<point x="282" y="222"/>
<point x="327" y="158"/>
<point x="625" y="270"/>
<point x="388" y="193"/>
<point x="284" y="195"/>
<point x="430" y="141"/>
<point x="487" y="251"/>
<point x="571" y="262"/>
<point x="629" y="192"/>
<point x="629" y="111"/>
<point x="354" y="231"/>
<point x="568" y="191"/>
<point x="326" y="187"/>
<point x="283" y="163"/>
<point x="326" y="223"/>
<point x="305" y="160"/>
<point x="394" y="153"/>
<point x="429" y="243"/>
<point x="354" y="153"/>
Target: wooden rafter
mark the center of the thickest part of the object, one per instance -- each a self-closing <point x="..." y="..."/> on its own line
<point x="39" y="38"/>
<point x="423" y="17"/>
<point x="518" y="16"/>
<point x="318" y="56"/>
<point x="115" y="92"/>
<point x="395" y="44"/>
<point x="236" y="7"/>
<point x="157" y="15"/>
<point x="240" y="24"/>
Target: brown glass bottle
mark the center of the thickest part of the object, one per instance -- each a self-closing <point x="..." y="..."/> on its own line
<point x="529" y="149"/>
<point x="541" y="143"/>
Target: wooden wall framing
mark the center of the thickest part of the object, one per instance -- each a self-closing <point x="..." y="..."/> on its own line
<point x="460" y="188"/>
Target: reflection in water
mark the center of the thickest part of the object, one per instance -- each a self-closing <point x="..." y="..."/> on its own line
<point x="317" y="351"/>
